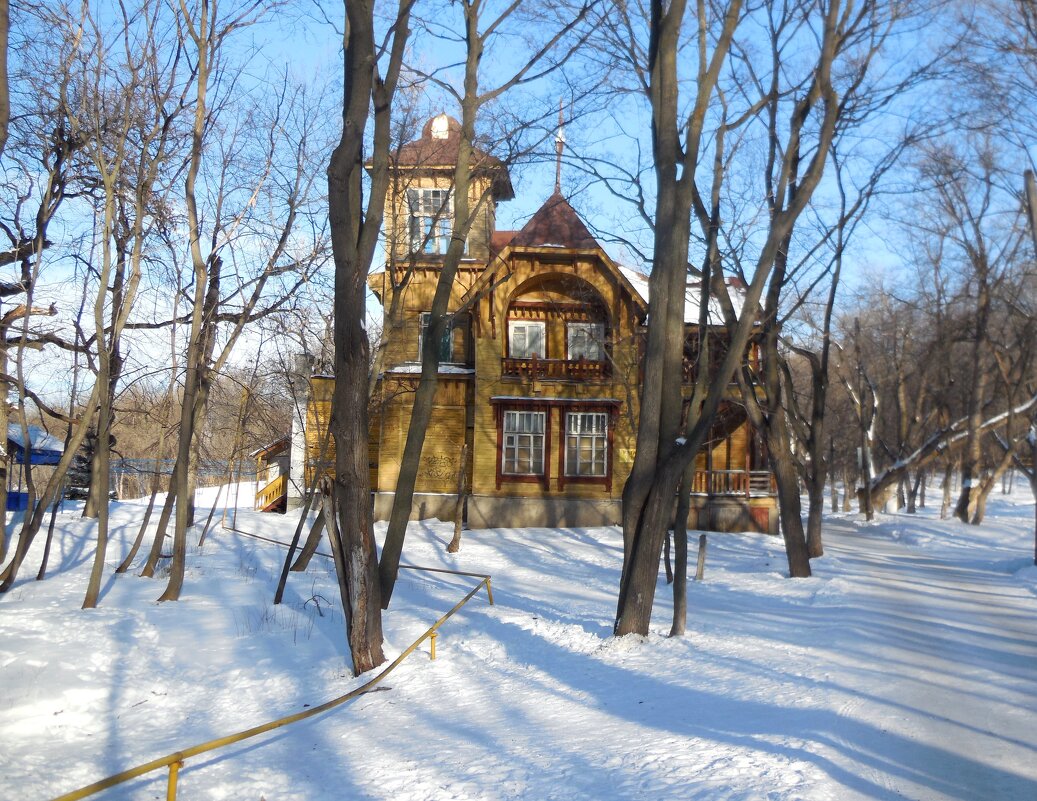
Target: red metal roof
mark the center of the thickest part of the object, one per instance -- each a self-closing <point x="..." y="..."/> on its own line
<point x="438" y="146"/>
<point x="555" y="223"/>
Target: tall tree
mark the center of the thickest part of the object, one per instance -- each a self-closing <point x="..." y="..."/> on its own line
<point x="368" y="84"/>
<point x="800" y="111"/>
<point x="249" y="185"/>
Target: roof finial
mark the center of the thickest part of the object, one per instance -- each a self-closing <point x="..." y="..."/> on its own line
<point x="559" y="143"/>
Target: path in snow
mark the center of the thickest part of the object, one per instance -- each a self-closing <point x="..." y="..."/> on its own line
<point x="958" y="717"/>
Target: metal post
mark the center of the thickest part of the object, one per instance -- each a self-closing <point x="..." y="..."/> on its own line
<point x="432" y="639"/>
<point x="174" y="770"/>
<point x="489" y="591"/>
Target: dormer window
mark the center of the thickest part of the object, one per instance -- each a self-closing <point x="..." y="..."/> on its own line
<point x="431" y="220"/>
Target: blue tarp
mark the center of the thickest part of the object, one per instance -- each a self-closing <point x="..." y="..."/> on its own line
<point x="44" y="448"/>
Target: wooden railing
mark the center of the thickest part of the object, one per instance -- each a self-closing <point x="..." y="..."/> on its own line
<point x="555" y="369"/>
<point x="271" y="492"/>
<point x="733" y="482"/>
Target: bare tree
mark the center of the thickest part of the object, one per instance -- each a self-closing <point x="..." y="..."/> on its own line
<point x="5" y="92"/>
<point x="355" y="231"/>
<point x="809" y="108"/>
<point x="226" y="226"/>
<point x="130" y="119"/>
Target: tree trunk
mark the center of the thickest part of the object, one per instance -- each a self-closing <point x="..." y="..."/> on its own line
<point x="987" y="485"/>
<point x="125" y="564"/>
<point x="41" y="574"/>
<point x="789" y="512"/>
<point x="948" y="474"/>
<point x="151" y="563"/>
<point x="680" y="548"/>
<point x="100" y="479"/>
<point x="815" y="512"/>
<point x="356" y="599"/>
<point x="32" y="523"/>
<point x="313" y="539"/>
<point x="971" y="472"/>
<point x="354" y="237"/>
<point x="424" y="397"/>
<point x="310" y="547"/>
<point x="455" y="542"/>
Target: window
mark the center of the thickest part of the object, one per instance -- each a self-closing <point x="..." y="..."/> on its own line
<point x="525" y="339"/>
<point x="431" y="218"/>
<point x="586" y="444"/>
<point x="524" y="443"/>
<point x="445" y="343"/>
<point x="586" y="340"/>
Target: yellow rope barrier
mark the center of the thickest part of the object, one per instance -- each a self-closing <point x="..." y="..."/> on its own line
<point x="176" y="760"/>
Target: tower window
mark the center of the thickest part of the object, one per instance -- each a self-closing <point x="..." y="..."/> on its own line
<point x="445" y="342"/>
<point x="431" y="220"/>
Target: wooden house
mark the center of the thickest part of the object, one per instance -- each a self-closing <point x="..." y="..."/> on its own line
<point x="538" y="385"/>
<point x="273" y="463"/>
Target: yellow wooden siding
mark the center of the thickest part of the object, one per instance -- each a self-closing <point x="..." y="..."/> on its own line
<point x="444" y="438"/>
<point x="320" y="445"/>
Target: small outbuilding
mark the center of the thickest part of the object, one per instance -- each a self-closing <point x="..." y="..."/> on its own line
<point x="42" y="448"/>
<point x="273" y="463"/>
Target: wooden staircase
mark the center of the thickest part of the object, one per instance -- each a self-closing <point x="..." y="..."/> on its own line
<point x="273" y="496"/>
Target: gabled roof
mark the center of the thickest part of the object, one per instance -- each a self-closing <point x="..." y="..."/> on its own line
<point x="556" y="224"/>
<point x="438" y="147"/>
<point x="272" y="449"/>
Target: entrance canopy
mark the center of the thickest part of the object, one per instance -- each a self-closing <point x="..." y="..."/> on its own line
<point x="43" y="448"/>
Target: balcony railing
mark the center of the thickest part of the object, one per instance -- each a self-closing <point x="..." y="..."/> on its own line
<point x="272" y="492"/>
<point x="555" y="369"/>
<point x="733" y="482"/>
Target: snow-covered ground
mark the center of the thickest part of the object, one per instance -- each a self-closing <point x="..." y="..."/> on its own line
<point x="907" y="668"/>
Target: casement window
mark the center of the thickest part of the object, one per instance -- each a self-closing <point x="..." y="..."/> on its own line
<point x="586" y="444"/>
<point x="523" y="451"/>
<point x="445" y="342"/>
<point x="526" y="338"/>
<point x="585" y="340"/>
<point x="431" y="219"/>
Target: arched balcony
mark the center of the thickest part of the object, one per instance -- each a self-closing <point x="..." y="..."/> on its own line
<point x="558" y="329"/>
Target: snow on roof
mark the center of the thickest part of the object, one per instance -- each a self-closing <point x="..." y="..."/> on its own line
<point x="691" y="303"/>
<point x="444" y="369"/>
<point x="39" y="439"/>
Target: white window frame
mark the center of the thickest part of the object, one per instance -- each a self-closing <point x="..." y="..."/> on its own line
<point x="589" y="429"/>
<point x="521" y="349"/>
<point x="524" y="443"/>
<point x="593" y="341"/>
<point x="431" y="219"/>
